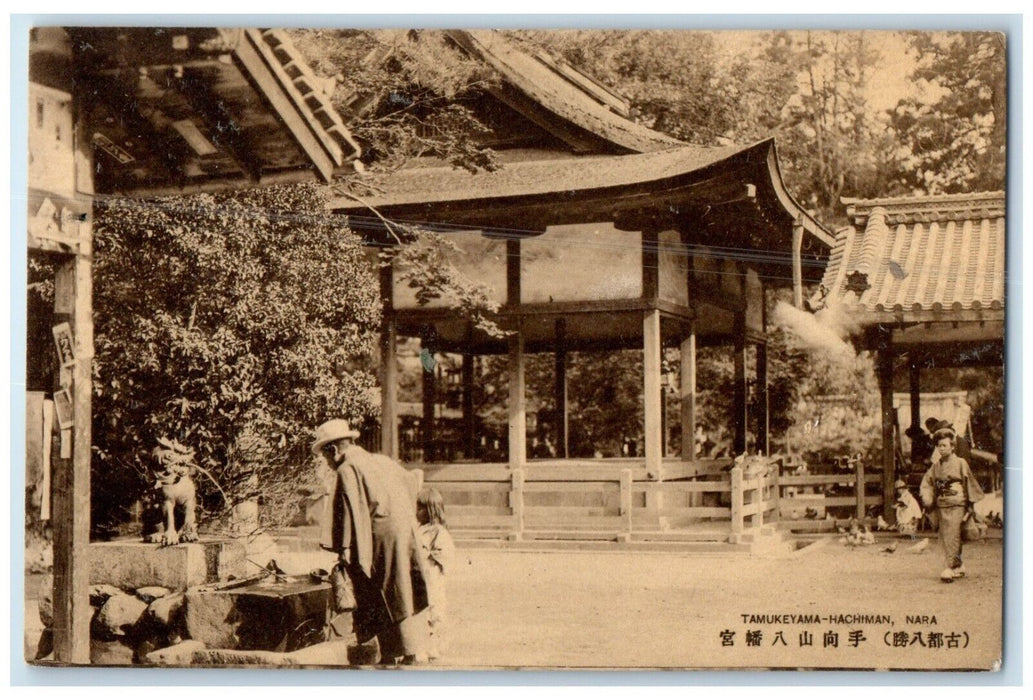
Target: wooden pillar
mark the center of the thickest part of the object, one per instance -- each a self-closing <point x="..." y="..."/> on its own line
<point x="389" y="390"/>
<point x="740" y="417"/>
<point x="430" y="400"/>
<point x="652" y="392"/>
<point x="915" y="382"/>
<point x="859" y="487"/>
<point x="517" y="402"/>
<point x="469" y="417"/>
<point x="763" y="413"/>
<point x="889" y="418"/>
<point x="798" y="265"/>
<point x="688" y="396"/>
<point x="562" y="425"/>
<point x="73" y="302"/>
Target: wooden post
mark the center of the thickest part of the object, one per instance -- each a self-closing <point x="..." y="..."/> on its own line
<point x="763" y="413"/>
<point x="915" y="377"/>
<point x="688" y="396"/>
<point x="859" y="487"/>
<point x="517" y="403"/>
<point x="652" y="393"/>
<point x="430" y="398"/>
<point x="889" y="419"/>
<point x="562" y="434"/>
<point x="516" y="503"/>
<point x="389" y="390"/>
<point x="737" y="505"/>
<point x="73" y="302"/>
<point x="798" y="265"/>
<point x="625" y="503"/>
<point x="469" y="417"/>
<point x="740" y="418"/>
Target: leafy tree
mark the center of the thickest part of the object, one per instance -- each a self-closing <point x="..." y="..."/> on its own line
<point x="231" y="323"/>
<point x="955" y="133"/>
<point x="405" y="93"/>
<point x="832" y="144"/>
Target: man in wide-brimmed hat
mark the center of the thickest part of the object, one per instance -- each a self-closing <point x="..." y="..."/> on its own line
<point x="372" y="527"/>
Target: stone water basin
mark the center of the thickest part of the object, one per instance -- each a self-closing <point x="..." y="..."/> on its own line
<point x="272" y="613"/>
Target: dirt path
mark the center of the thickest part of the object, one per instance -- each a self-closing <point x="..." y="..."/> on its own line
<point x="637" y="609"/>
<point x="572" y="609"/>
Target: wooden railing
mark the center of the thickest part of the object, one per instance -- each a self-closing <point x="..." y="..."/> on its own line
<point x="606" y="499"/>
<point x="807" y="492"/>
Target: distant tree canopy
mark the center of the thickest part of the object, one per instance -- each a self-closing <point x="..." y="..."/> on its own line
<point x="955" y="138"/>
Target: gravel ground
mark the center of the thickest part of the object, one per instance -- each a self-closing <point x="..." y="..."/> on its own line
<point x="637" y="609"/>
<point x="570" y="609"/>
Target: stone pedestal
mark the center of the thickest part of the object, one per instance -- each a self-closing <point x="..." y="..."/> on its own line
<point x="131" y="564"/>
<point x="269" y="615"/>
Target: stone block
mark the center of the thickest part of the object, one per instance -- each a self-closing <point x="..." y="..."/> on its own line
<point x="240" y="657"/>
<point x="110" y="653"/>
<point x="270" y="615"/>
<point x="131" y="564"/>
<point x="149" y="594"/>
<point x="303" y="563"/>
<point x="100" y="592"/>
<point x="181" y="654"/>
<point x="333" y="653"/>
<point x="168" y="610"/>
<point x="118" y="617"/>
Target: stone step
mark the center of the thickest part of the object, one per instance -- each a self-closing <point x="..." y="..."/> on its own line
<point x="131" y="564"/>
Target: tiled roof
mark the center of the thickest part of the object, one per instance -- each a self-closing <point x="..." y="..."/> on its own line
<point x="559" y="89"/>
<point x="920" y="258"/>
<point x="442" y="184"/>
<point x="307" y="93"/>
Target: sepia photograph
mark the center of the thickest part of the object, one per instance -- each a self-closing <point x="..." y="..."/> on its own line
<point x="519" y="348"/>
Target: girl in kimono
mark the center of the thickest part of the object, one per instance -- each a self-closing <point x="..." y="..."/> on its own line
<point x="949" y="489"/>
<point x="440" y="551"/>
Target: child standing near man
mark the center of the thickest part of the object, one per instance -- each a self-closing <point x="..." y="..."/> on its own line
<point x="440" y="551"/>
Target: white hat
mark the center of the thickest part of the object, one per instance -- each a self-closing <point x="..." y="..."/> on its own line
<point x="331" y="431"/>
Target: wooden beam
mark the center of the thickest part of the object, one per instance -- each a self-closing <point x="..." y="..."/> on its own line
<point x="222" y="125"/>
<point x="560" y="391"/>
<point x="763" y="413"/>
<point x="469" y="417"/>
<point x="389" y="390"/>
<point x="71" y="476"/>
<point x="650" y="264"/>
<point x="652" y="392"/>
<point x="517" y="402"/>
<point x="797" y="254"/>
<point x="430" y="400"/>
<point x="915" y="380"/>
<point x="688" y="396"/>
<point x="513" y="273"/>
<point x="889" y="420"/>
<point x="740" y="417"/>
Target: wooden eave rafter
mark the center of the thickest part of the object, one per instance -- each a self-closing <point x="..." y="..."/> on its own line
<point x="230" y="137"/>
<point x="258" y="69"/>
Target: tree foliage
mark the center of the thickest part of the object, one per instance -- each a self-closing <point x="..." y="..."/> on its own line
<point x="231" y="323"/>
<point x="955" y="132"/>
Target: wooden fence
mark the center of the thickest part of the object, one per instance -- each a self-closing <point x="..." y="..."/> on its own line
<point x="823" y="501"/>
<point x="605" y="499"/>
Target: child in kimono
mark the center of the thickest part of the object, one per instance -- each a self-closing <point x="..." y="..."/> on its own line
<point x="909" y="513"/>
<point x="440" y="551"/>
<point x="949" y="489"/>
